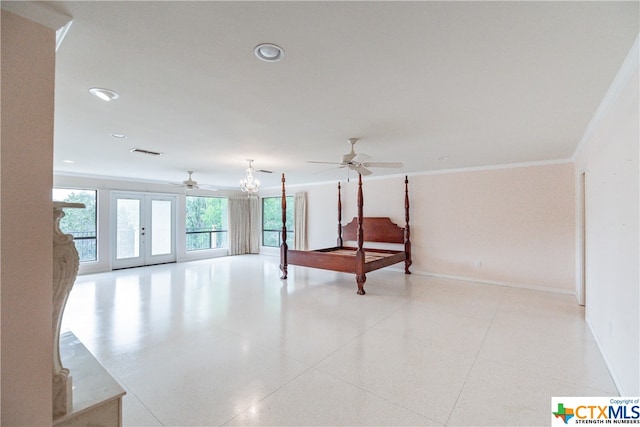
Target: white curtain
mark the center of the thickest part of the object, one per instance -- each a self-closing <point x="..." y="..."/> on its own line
<point x="255" y="225"/>
<point x="244" y="223"/>
<point x="300" y="222"/>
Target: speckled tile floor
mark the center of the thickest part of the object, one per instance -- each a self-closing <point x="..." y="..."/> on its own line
<point x="226" y="342"/>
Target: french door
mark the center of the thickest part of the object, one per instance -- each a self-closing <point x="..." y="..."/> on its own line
<point x="143" y="229"/>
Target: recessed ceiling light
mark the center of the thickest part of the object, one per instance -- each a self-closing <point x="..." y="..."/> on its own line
<point x="119" y="135"/>
<point x="104" y="94"/>
<point x="269" y="52"/>
<point x="68" y="161"/>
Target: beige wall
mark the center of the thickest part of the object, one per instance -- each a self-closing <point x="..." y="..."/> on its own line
<point x="28" y="65"/>
<point x="511" y="226"/>
<point x="609" y="158"/>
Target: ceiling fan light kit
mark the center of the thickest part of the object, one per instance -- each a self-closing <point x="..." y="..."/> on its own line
<point x="190" y="184"/>
<point x="358" y="161"/>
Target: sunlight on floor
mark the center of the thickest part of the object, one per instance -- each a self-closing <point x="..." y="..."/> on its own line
<point x="226" y="342"/>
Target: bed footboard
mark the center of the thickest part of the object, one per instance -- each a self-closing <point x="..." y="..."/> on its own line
<point x="360" y="260"/>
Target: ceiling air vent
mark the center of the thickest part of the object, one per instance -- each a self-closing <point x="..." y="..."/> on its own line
<point x="141" y="151"/>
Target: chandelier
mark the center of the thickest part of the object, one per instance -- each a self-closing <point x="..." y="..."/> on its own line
<point x="250" y="184"/>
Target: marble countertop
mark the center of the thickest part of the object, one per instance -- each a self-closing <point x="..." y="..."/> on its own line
<point x="92" y="384"/>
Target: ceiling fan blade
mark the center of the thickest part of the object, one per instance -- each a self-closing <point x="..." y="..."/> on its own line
<point x="361" y="170"/>
<point x="324" y="163"/>
<point x="263" y="171"/>
<point x="382" y="164"/>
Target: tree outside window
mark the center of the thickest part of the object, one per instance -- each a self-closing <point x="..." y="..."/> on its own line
<point x="81" y="223"/>
<point x="206" y="223"/>
<point x="272" y="221"/>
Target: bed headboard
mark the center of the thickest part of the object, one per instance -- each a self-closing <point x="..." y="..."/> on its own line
<point x="375" y="229"/>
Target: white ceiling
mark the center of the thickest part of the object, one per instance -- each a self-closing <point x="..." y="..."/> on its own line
<point x="482" y="83"/>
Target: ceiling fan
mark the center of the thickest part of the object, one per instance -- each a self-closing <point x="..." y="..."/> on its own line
<point x="190" y="184"/>
<point x="257" y="170"/>
<point x="358" y="161"/>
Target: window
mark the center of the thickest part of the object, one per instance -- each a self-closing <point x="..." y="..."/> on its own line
<point x="272" y="221"/>
<point x="207" y="223"/>
<point x="81" y="223"/>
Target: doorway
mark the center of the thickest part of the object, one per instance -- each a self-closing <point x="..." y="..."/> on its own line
<point x="143" y="229"/>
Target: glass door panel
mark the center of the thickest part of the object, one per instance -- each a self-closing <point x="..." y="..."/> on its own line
<point x="161" y="227"/>
<point x="145" y="230"/>
<point x="127" y="228"/>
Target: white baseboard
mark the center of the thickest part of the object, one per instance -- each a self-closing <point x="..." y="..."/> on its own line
<point x="616" y="382"/>
<point x="93" y="268"/>
<point x="270" y="251"/>
<point x="203" y="254"/>
<point x="492" y="282"/>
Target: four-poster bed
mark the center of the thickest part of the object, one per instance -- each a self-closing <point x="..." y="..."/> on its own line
<point x="361" y="229"/>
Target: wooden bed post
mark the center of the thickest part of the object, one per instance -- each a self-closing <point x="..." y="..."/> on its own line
<point x="339" y="217"/>
<point x="283" y="245"/>
<point x="407" y="229"/>
<point x="360" y="276"/>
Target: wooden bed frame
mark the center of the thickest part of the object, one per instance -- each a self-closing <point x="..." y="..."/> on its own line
<point x="349" y="259"/>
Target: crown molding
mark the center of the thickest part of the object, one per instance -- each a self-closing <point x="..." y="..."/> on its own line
<point x="42" y="14"/>
<point x="626" y="72"/>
